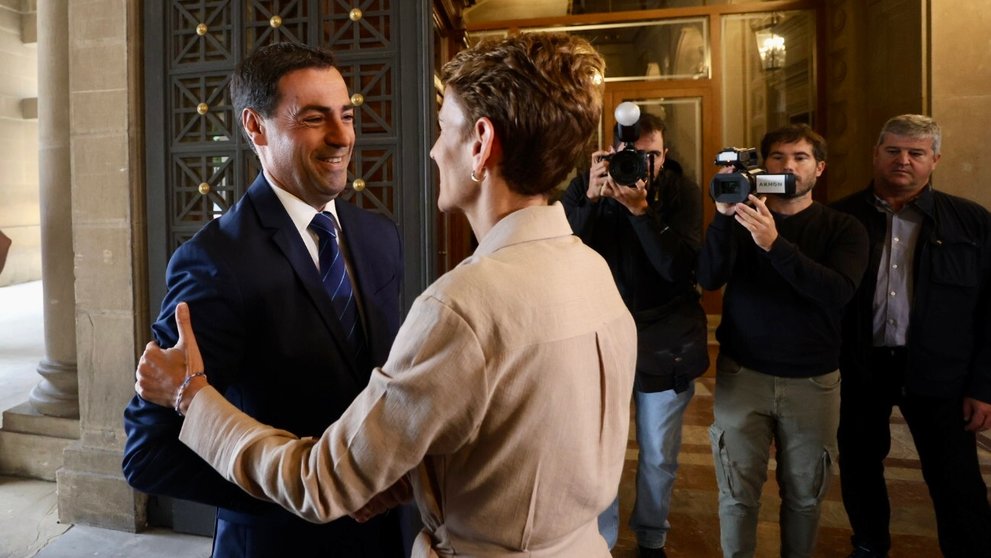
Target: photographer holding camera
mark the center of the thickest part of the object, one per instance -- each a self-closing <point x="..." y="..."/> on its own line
<point x="649" y="232"/>
<point x="789" y="265"/>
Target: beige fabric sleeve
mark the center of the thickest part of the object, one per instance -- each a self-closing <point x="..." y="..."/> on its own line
<point x="427" y="399"/>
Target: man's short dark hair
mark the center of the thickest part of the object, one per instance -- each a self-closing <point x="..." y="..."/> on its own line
<point x="650" y="123"/>
<point x="791" y="134"/>
<point x="255" y="83"/>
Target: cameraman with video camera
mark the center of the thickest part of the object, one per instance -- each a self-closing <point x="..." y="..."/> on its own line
<point x="789" y="265"/>
<point x="649" y="232"/>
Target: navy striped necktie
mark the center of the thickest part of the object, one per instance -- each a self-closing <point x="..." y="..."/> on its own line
<point x="334" y="275"/>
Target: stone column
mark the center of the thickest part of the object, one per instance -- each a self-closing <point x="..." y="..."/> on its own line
<point x="104" y="57"/>
<point x="57" y="394"/>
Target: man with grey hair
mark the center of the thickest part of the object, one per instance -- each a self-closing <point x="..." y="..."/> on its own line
<point x="917" y="335"/>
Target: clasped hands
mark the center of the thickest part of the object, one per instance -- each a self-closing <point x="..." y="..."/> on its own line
<point x="161" y="372"/>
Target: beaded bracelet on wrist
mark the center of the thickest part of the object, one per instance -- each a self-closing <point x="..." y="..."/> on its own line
<point x="182" y="389"/>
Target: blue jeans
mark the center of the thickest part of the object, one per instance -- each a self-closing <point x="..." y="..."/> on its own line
<point x="659" y="420"/>
<point x="801" y="416"/>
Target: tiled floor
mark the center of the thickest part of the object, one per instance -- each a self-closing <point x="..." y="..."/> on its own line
<point x="694" y="512"/>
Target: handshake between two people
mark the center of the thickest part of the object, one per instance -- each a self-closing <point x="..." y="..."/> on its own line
<point x="172" y="378"/>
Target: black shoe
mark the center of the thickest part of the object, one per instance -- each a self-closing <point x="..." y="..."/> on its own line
<point x="864" y="552"/>
<point x="645" y="552"/>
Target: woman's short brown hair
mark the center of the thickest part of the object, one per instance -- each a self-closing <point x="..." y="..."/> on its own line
<point x="543" y="94"/>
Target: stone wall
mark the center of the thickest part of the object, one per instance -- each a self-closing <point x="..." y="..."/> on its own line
<point x="19" y="212"/>
<point x="961" y="97"/>
<point x="108" y="241"/>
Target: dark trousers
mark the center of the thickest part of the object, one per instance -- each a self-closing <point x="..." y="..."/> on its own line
<point x="278" y="533"/>
<point x="948" y="454"/>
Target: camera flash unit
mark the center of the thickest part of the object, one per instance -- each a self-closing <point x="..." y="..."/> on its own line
<point x="627" y="113"/>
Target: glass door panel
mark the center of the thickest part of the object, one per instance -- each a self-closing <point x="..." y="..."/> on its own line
<point x="768" y="73"/>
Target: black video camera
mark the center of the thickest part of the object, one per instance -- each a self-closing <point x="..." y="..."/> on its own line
<point x="629" y="164"/>
<point x="747" y="177"/>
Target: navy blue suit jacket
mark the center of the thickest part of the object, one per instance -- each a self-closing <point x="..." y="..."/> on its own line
<point x="272" y="344"/>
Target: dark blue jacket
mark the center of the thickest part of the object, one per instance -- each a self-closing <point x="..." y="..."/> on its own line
<point x="949" y="336"/>
<point x="272" y="344"/>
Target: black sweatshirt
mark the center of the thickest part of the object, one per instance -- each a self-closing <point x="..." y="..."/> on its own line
<point x="652" y="256"/>
<point x="782" y="308"/>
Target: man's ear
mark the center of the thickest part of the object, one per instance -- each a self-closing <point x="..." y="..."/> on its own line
<point x="254" y="127"/>
<point x="486" y="145"/>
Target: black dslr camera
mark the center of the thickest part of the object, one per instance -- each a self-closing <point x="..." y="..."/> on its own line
<point x="628" y="165"/>
<point x="747" y="177"/>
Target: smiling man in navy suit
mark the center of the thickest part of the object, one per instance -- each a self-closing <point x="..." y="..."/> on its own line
<point x="282" y="345"/>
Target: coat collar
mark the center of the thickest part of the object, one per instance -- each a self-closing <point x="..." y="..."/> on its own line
<point x="925" y="201"/>
<point x="525" y="225"/>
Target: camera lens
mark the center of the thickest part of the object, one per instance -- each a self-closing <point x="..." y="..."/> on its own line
<point x="627" y="166"/>
<point x="730" y="188"/>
